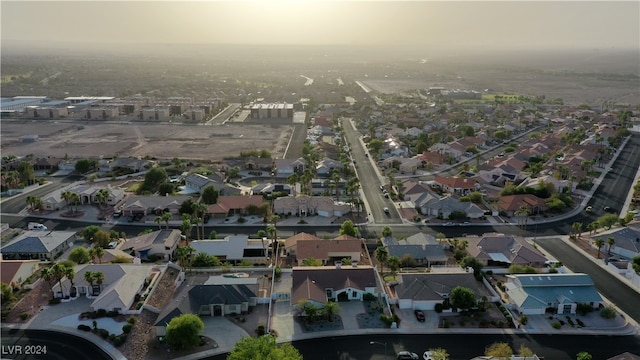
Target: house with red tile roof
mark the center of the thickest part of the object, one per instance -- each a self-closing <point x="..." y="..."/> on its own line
<point x="330" y="251"/>
<point x="512" y="203"/>
<point x="234" y="205"/>
<point x="457" y="185"/>
<point x="291" y="243"/>
<point x="16" y="272"/>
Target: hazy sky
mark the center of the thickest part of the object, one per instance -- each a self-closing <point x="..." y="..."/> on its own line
<point x="437" y="23"/>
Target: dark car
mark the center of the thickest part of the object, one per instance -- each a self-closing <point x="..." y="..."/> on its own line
<point x="419" y="315"/>
<point x="407" y="355"/>
<point x="609" y="209"/>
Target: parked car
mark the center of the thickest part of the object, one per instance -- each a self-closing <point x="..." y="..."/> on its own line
<point x="449" y="224"/>
<point x="589" y="209"/>
<point x="609" y="209"/>
<point x="419" y="315"/>
<point x="386" y="210"/>
<point x="407" y="355"/>
<point x="428" y="355"/>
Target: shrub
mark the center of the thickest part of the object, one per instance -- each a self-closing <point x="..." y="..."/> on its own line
<point x="118" y="341"/>
<point x="484" y="323"/>
<point x="112" y="337"/>
<point x="113" y="313"/>
<point x="54" y="301"/>
<point x="101" y="313"/>
<point x="524" y="319"/>
<point x="580" y="323"/>
<point x="260" y="330"/>
<point x="84" y="327"/>
<point x="368" y="297"/>
<point x="24" y="315"/>
<point x="103" y="333"/>
<point x="131" y="320"/>
<point x="438" y="308"/>
<point x="583" y="309"/>
<point x="126" y="328"/>
<point x="570" y="321"/>
<point x="556" y="325"/>
<point x="608" y="312"/>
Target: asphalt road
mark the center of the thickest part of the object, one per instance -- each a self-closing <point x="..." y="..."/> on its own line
<point x="369" y="180"/>
<point x="461" y="347"/>
<point x="49" y="345"/>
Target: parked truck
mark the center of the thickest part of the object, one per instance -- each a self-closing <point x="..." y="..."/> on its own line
<point x="37" y="226"/>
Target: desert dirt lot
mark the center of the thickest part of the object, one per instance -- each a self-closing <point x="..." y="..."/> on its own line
<point x="163" y="141"/>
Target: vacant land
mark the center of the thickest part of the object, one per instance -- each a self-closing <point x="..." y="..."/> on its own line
<point x="163" y="141"/>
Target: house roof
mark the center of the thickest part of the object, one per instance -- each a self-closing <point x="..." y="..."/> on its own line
<point x="534" y="291"/>
<point x="456" y="182"/>
<point x="168" y="237"/>
<point x="514" y="202"/>
<point x="9" y="268"/>
<point x="311" y="284"/>
<point x="504" y="248"/>
<point x="235" y="202"/>
<point x="434" y="286"/>
<point x="37" y="242"/>
<point x="231" y="247"/>
<point x="432" y="253"/>
<point x="198" y="180"/>
<point x="322" y="249"/>
<point x="293" y="240"/>
<point x="154" y="202"/>
<point x="627" y="238"/>
<point x="200" y="295"/>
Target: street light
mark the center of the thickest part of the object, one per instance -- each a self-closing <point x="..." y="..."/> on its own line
<point x="380" y="343"/>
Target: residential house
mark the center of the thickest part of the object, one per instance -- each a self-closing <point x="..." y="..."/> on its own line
<point x="533" y="294"/>
<point x="120" y="289"/>
<point x="234" y="205"/>
<point x="145" y="205"/>
<point x="330" y="251"/>
<point x="410" y="165"/>
<point x="304" y="205"/>
<point x="424" y="249"/>
<point x="131" y="164"/>
<point x="16" y="272"/>
<point x="269" y="188"/>
<point x="209" y="300"/>
<point x="234" y="249"/>
<point x="197" y="182"/>
<point x="457" y="186"/>
<point x="558" y="185"/>
<point x="444" y="207"/>
<point x="39" y="245"/>
<point x="327" y="166"/>
<point x="159" y="245"/>
<point x="88" y="194"/>
<point x="511" y="204"/>
<point x="291" y="243"/>
<point x="626" y="241"/>
<point x="432" y="158"/>
<point x="425" y="291"/>
<point x="286" y="167"/>
<point x="254" y="163"/>
<point x="320" y="285"/>
<point x="499" y="250"/>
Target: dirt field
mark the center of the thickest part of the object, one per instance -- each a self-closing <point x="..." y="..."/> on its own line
<point x="162" y="141"/>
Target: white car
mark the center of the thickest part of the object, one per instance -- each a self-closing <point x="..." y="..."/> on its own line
<point x="427" y="355"/>
<point x="386" y="210"/>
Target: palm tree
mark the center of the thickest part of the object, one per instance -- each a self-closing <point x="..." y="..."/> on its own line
<point x="99" y="253"/>
<point x="158" y="220"/>
<point x="599" y="243"/>
<point x="166" y="216"/>
<point x="610" y="241"/>
<point x="75" y="199"/>
<point x="523" y="210"/>
<point x="330" y="309"/>
<point x="88" y="277"/>
<point x="47" y="275"/>
<point x="292" y="180"/>
<point x="59" y="272"/>
<point x="577" y="229"/>
<point x="183" y="253"/>
<point x="98" y="276"/>
<point x="186" y="227"/>
<point x="67" y="196"/>
<point x="70" y="274"/>
<point x="102" y="196"/>
<point x="382" y="255"/>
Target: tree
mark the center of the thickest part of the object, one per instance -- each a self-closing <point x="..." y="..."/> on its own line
<point x="85" y="165"/>
<point x="525" y="351"/>
<point x="475" y="197"/>
<point x="583" y="355"/>
<point x="393" y="263"/>
<point x="330" y="309"/>
<point x="26" y="173"/>
<point x="183" y="253"/>
<point x="210" y="195"/>
<point x="158" y="220"/>
<point x="97" y="252"/>
<point x="89" y="232"/>
<point x="386" y="231"/>
<point x="635" y="263"/>
<point x="439" y="354"/>
<point x="499" y="350"/>
<point x="166" y="216"/>
<point x="205" y="260"/>
<point x="7" y="293"/>
<point x="348" y="228"/>
<point x="166" y="188"/>
<point x="599" y="243"/>
<point x="152" y="180"/>
<point x="311" y="261"/>
<point x="576" y="227"/>
<point x="183" y="332"/>
<point x="98" y="277"/>
<point x="263" y="347"/>
<point x="610" y="241"/>
<point x="47" y="275"/>
<point x="88" y="277"/>
<point x="462" y="298"/>
<point x="469" y="261"/>
<point x="608" y="220"/>
<point x="382" y="255"/>
<point x="101" y="239"/>
<point x="79" y="255"/>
